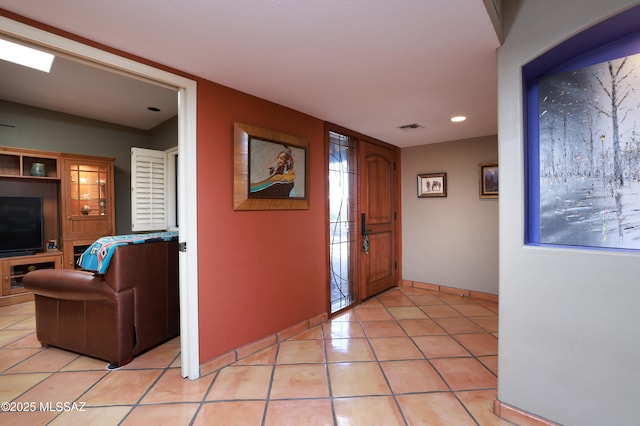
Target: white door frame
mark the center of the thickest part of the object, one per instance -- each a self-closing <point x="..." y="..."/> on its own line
<point x="187" y="178"/>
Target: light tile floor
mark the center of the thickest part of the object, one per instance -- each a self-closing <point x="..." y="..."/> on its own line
<point x="406" y="357"/>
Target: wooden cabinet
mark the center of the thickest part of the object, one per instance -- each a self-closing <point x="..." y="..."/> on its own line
<point x="15" y="268"/>
<point x="78" y="207"/>
<point x="87" y="202"/>
<point x="27" y="163"/>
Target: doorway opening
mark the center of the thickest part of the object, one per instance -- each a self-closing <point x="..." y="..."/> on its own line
<point x="186" y="176"/>
<point x="363" y="227"/>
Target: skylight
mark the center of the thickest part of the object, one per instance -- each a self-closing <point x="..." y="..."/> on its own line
<point x="25" y="56"/>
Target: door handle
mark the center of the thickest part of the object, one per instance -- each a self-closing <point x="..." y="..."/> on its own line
<point x="363" y="226"/>
<point x="365" y="233"/>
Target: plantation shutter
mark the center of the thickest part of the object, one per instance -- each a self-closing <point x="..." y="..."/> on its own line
<point x="148" y="190"/>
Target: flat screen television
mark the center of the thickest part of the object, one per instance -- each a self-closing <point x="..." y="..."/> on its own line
<point x="20" y="225"/>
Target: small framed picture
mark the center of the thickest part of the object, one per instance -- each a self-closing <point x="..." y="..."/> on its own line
<point x="488" y="180"/>
<point x="52" y="245"/>
<point x="432" y="185"/>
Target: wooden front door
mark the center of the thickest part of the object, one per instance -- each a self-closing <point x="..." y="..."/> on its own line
<point x="378" y="218"/>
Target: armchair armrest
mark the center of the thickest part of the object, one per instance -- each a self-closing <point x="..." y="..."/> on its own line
<point x="68" y="285"/>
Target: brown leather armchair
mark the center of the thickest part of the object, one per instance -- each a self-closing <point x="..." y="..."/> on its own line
<point x="131" y="308"/>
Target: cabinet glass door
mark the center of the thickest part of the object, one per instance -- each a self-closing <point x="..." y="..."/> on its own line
<point x="88" y="186"/>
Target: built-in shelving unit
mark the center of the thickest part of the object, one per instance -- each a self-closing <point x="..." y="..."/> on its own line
<point x="78" y="207"/>
<point x="29" y="164"/>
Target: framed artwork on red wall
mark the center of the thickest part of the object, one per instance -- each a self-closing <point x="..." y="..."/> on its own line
<point x="270" y="170"/>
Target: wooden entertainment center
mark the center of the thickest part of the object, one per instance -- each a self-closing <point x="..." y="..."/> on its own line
<point x="77" y="208"/>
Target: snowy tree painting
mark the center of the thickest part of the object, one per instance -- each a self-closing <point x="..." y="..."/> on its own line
<point x="589" y="155"/>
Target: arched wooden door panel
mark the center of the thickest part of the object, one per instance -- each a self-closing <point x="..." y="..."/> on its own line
<point x="378" y="258"/>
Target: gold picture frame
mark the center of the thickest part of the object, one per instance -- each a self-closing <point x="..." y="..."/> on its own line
<point x="269" y="170"/>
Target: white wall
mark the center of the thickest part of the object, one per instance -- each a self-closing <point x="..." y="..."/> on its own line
<point x="450" y="241"/>
<point x="569" y="340"/>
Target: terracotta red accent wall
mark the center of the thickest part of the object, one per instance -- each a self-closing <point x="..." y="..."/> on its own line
<point x="259" y="271"/>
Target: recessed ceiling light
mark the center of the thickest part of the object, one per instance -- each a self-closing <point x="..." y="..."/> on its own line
<point x="25" y="56"/>
<point x="458" y="118"/>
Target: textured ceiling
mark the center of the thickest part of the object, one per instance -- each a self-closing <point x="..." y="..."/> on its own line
<point x="368" y="65"/>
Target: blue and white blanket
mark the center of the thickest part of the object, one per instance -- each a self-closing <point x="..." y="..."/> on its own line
<point x="98" y="255"/>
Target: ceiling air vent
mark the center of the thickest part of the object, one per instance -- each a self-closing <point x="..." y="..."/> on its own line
<point x="410" y="127"/>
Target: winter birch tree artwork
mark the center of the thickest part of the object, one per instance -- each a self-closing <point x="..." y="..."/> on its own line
<point x="589" y="155"/>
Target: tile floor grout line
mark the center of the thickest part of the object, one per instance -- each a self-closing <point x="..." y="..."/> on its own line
<point x="267" y="399"/>
<point x="326" y="370"/>
<point x="40" y="349"/>
<point x="155" y="382"/>
<point x="393" y="393"/>
<point x="455" y="395"/>
<point x="476" y="357"/>
<point x="206" y="392"/>
<point x="49" y="374"/>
